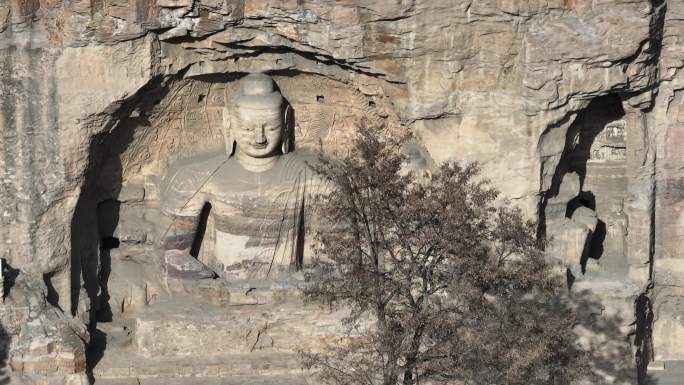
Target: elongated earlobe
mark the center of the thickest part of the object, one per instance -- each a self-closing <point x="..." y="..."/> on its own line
<point x="227" y="133"/>
<point x="285" y="146"/>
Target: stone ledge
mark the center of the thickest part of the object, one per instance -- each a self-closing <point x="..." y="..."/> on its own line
<point x="127" y="364"/>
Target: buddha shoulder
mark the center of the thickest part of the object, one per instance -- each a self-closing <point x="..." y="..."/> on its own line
<point x="292" y="165"/>
<point x="187" y="176"/>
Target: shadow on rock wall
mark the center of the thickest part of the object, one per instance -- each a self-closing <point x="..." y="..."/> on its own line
<point x="643" y="338"/>
<point x="96" y="214"/>
<point x="619" y="350"/>
<point x="4" y="356"/>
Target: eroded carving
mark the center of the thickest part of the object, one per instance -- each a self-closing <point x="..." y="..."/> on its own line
<point x="609" y="144"/>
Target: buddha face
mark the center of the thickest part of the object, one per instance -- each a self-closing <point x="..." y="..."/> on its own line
<point x="258" y="132"/>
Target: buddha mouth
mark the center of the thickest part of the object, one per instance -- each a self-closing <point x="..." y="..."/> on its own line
<point x="260" y="146"/>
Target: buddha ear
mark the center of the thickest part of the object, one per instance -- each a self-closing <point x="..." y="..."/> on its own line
<point x="228" y="140"/>
<point x="286" y="113"/>
<point x="287" y="134"/>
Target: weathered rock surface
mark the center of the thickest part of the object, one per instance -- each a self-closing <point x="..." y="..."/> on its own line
<point x="99" y="97"/>
<point x="36" y="339"/>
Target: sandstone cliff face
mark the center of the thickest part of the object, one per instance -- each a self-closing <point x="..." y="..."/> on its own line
<point x="99" y="95"/>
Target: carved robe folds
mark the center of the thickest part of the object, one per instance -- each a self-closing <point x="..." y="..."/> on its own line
<point x="256" y="221"/>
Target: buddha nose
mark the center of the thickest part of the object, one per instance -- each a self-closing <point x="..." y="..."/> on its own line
<point x="261" y="135"/>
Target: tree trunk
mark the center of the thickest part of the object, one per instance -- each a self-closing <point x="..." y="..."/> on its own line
<point x="412" y="356"/>
<point x="389" y="370"/>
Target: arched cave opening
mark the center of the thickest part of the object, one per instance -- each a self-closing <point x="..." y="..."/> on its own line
<point x="589" y="188"/>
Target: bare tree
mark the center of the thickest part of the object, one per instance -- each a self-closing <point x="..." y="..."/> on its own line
<point x="454" y="284"/>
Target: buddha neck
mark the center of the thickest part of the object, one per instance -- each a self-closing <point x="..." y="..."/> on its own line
<point x="252" y="164"/>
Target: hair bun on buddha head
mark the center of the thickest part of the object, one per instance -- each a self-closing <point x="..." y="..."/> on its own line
<point x="256" y="84"/>
<point x="257" y="91"/>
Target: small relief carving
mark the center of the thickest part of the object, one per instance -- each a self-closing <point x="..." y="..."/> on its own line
<point x="597" y="154"/>
<point x="324" y="115"/>
<point x="609" y="144"/>
<point x="194" y="116"/>
<point x="615" y="131"/>
<point x="135" y="157"/>
<point x="343" y="130"/>
<point x="605" y="153"/>
<point x="215" y="120"/>
<point x="177" y="99"/>
<point x="618" y="153"/>
<point x="319" y="124"/>
<point x="302" y="121"/>
<point x="216" y="96"/>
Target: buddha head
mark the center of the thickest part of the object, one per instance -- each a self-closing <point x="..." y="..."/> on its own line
<point x="256" y="124"/>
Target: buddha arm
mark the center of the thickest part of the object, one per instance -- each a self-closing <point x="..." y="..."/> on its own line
<point x="178" y="227"/>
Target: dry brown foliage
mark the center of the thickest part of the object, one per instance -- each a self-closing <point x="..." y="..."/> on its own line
<point x="455" y="283"/>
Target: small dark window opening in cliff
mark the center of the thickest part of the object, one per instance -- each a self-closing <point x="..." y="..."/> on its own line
<point x="320" y="98"/>
<point x="201" y="230"/>
<point x="200" y="98"/>
<point x="371" y="104"/>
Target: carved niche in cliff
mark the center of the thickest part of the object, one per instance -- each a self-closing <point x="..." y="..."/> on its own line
<point x="189" y="123"/>
<point x="586" y="218"/>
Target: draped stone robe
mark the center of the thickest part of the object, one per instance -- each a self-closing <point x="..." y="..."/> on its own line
<point x="259" y="218"/>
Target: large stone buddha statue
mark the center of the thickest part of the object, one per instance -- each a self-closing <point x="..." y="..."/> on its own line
<point x="256" y="195"/>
